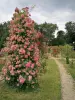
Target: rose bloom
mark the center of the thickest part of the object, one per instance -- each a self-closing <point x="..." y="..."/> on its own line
<point x="33" y="73"/>
<point x="26" y="56"/>
<point x="30" y="49"/>
<point x="12" y="38"/>
<point x="38" y="64"/>
<point x="29" y="78"/>
<point x="18" y="71"/>
<point x="27" y="43"/>
<point x="16" y="66"/>
<point x="14" y="47"/>
<point x="6" y="49"/>
<point x="32" y="66"/>
<point x="17" y="58"/>
<point x="28" y="53"/>
<point x="12" y="72"/>
<point x="23" y="41"/>
<point x="18" y="62"/>
<point x="7" y="78"/>
<point x="25" y="46"/>
<point x="21" y="79"/>
<point x="22" y="51"/>
<point x="4" y="70"/>
<point x="36" y="58"/>
<point x="32" y="46"/>
<point x="28" y="64"/>
<point x="10" y="67"/>
<point x="8" y="63"/>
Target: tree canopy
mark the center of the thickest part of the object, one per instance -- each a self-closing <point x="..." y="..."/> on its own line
<point x="70" y="29"/>
<point x="48" y="29"/>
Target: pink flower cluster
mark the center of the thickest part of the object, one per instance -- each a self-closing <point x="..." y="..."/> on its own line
<point x="23" y="50"/>
<point x="21" y="79"/>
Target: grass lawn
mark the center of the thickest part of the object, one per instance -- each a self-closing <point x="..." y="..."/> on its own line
<point x="50" y="88"/>
<point x="1" y="65"/>
<point x="69" y="67"/>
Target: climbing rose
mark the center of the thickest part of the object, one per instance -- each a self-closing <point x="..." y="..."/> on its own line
<point x="21" y="68"/>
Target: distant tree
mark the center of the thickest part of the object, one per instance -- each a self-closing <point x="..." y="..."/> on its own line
<point x="3" y="33"/>
<point x="70" y="31"/>
<point x="36" y="26"/>
<point x="48" y="30"/>
<point x="54" y="42"/>
<point x="61" y="37"/>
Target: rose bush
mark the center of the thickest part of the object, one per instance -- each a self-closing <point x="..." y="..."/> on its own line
<point x="22" y="67"/>
<point x="55" y="51"/>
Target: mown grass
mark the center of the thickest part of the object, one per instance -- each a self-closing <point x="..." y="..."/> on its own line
<point x="50" y="88"/>
<point x="69" y="67"/>
<point x="1" y="65"/>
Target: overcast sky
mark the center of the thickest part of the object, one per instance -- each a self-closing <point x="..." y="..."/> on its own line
<point x="52" y="11"/>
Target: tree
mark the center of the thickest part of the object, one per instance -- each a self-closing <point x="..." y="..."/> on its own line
<point x="70" y="31"/>
<point x="61" y="37"/>
<point x="3" y="33"/>
<point x="48" y="30"/>
<point x="55" y="42"/>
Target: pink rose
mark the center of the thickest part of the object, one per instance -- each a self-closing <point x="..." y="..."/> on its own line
<point x="16" y="66"/>
<point x="7" y="78"/>
<point x="22" y="16"/>
<point x="10" y="67"/>
<point x="12" y="72"/>
<point x="17" y="58"/>
<point x="29" y="78"/>
<point x="21" y="79"/>
<point x="14" y="47"/>
<point x="32" y="66"/>
<point x="22" y="51"/>
<point x="30" y="49"/>
<point x="25" y="46"/>
<point x="26" y="56"/>
<point x="18" y="71"/>
<point x="28" y="64"/>
<point x="36" y="58"/>
<point x="4" y="70"/>
<point x="28" y="53"/>
<point x="38" y="64"/>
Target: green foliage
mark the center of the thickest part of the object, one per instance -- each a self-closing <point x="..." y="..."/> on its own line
<point x="70" y="27"/>
<point x="61" y="37"/>
<point x="67" y="51"/>
<point x="43" y="64"/>
<point x="3" y="33"/>
<point x="48" y="29"/>
<point x="55" y="42"/>
<point x="67" y="60"/>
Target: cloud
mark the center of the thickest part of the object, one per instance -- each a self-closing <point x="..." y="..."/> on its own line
<point x="60" y="17"/>
<point x="53" y="11"/>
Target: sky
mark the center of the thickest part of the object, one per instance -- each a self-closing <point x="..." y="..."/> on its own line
<point x="52" y="11"/>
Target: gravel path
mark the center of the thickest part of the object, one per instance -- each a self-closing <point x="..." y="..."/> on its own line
<point x="67" y="83"/>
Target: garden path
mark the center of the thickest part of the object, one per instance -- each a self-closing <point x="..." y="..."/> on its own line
<point x="67" y="82"/>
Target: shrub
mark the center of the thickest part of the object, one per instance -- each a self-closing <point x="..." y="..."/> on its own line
<point x="55" y="50"/>
<point x="67" y="50"/>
